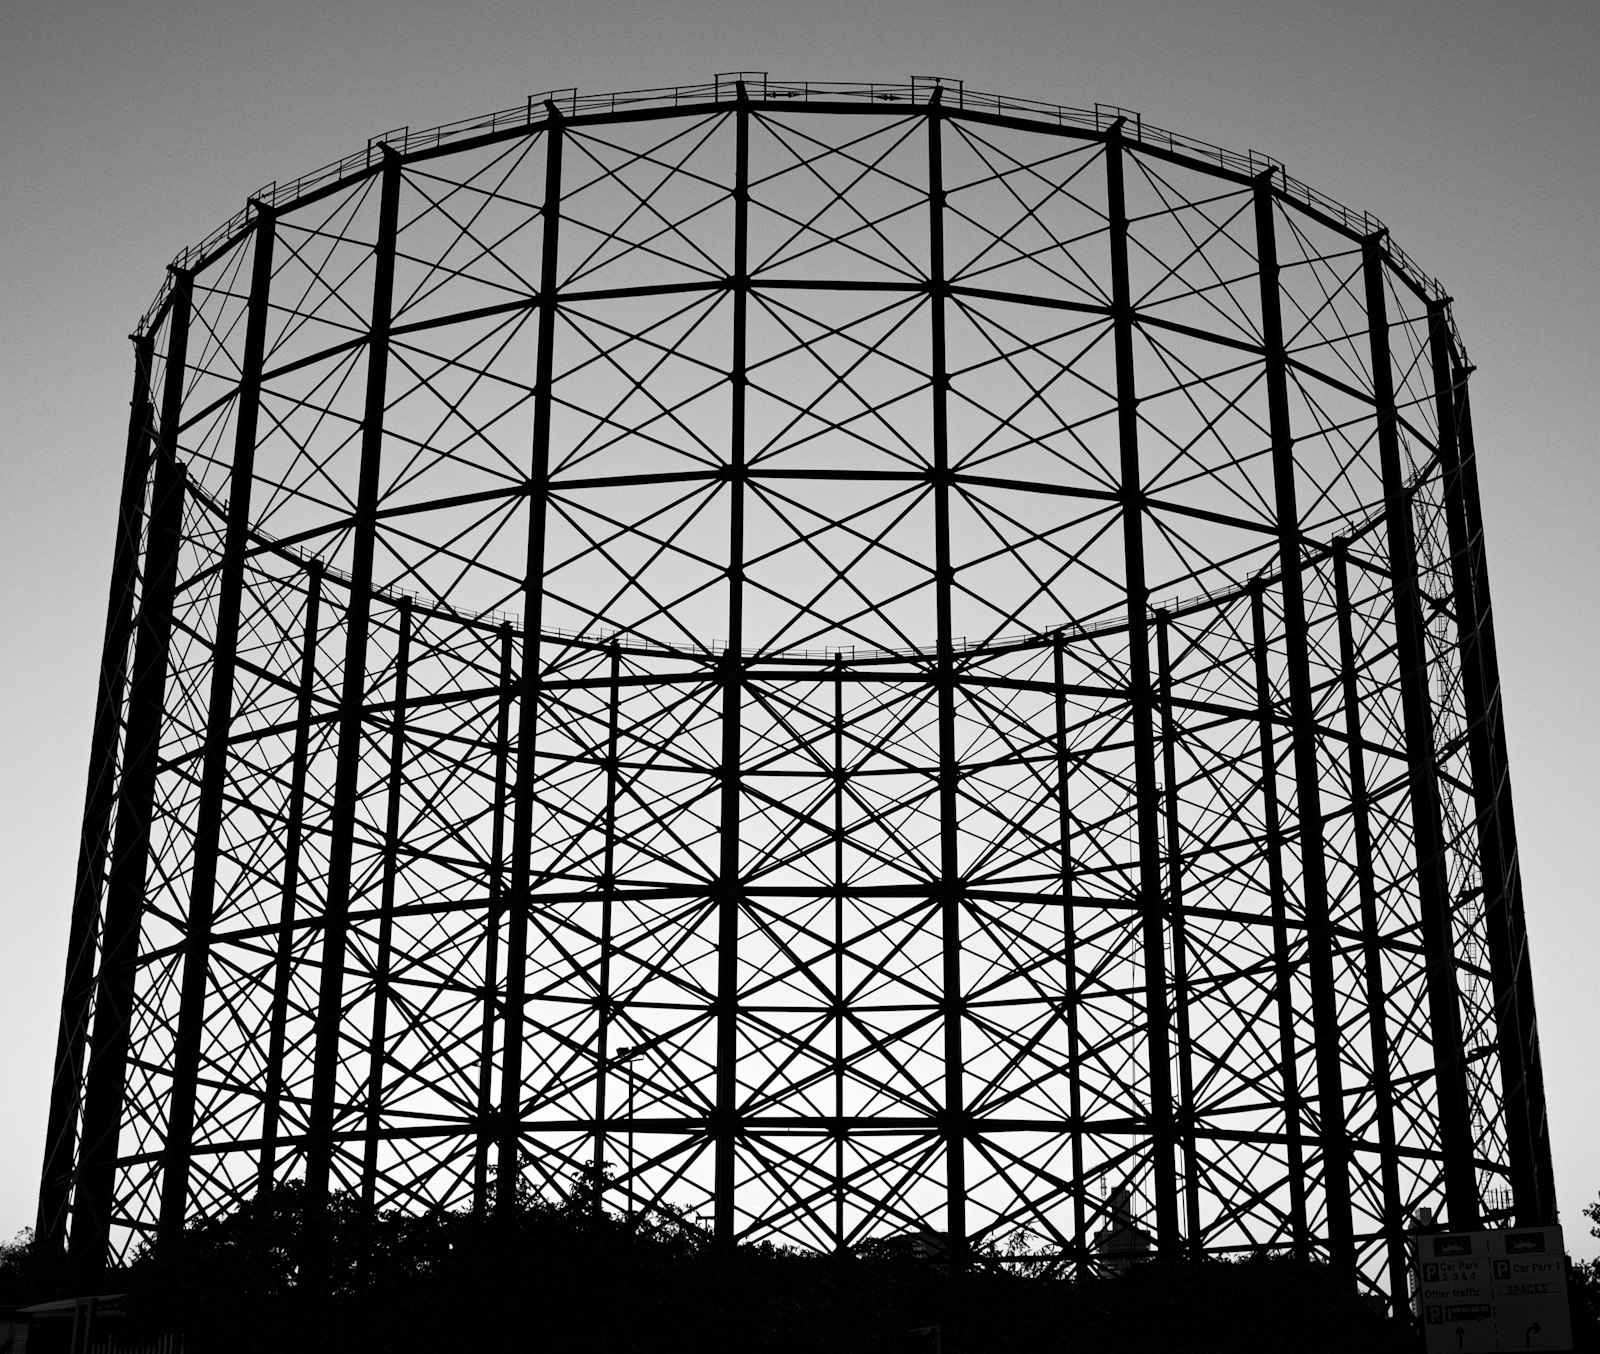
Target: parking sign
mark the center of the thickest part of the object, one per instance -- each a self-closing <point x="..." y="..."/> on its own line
<point x="1494" y="1290"/>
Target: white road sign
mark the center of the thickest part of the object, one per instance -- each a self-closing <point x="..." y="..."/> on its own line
<point x="1500" y="1290"/>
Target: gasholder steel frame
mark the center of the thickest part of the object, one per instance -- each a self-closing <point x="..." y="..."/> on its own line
<point x="946" y="639"/>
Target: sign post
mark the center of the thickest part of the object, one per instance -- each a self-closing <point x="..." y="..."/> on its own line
<point x="1491" y="1291"/>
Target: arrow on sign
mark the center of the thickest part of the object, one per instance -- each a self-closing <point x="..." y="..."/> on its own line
<point x="1461" y="1338"/>
<point x="1527" y="1335"/>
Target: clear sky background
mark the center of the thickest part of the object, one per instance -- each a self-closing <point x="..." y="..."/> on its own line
<point x="1472" y="127"/>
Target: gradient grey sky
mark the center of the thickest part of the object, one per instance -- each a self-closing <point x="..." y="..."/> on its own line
<point x="1472" y="128"/>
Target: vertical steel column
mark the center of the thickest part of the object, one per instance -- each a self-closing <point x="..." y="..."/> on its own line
<point x="1303" y="729"/>
<point x="376" y="1046"/>
<point x="496" y="911"/>
<point x="1287" y="1058"/>
<point x="604" y="1004"/>
<point x="1491" y="860"/>
<point x="294" y="835"/>
<point x="1535" y="1198"/>
<point x="1433" y="889"/>
<point x="1069" y="959"/>
<point x="1141" y="713"/>
<point x="94" y="1197"/>
<point x="77" y="988"/>
<point x="352" y="705"/>
<point x="1394" y="1234"/>
<point x="956" y="1122"/>
<point x="510" y="1129"/>
<point x="838" y="952"/>
<point x="1180" y="959"/>
<point x="729" y="887"/>
<point x="219" y="721"/>
<point x="1521" y="1134"/>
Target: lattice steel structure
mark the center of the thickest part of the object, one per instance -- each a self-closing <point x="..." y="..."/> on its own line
<point x="852" y="660"/>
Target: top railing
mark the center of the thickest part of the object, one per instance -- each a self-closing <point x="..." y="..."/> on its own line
<point x="535" y="110"/>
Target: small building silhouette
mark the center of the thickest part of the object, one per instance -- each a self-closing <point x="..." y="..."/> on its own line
<point x="1122" y="1242"/>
